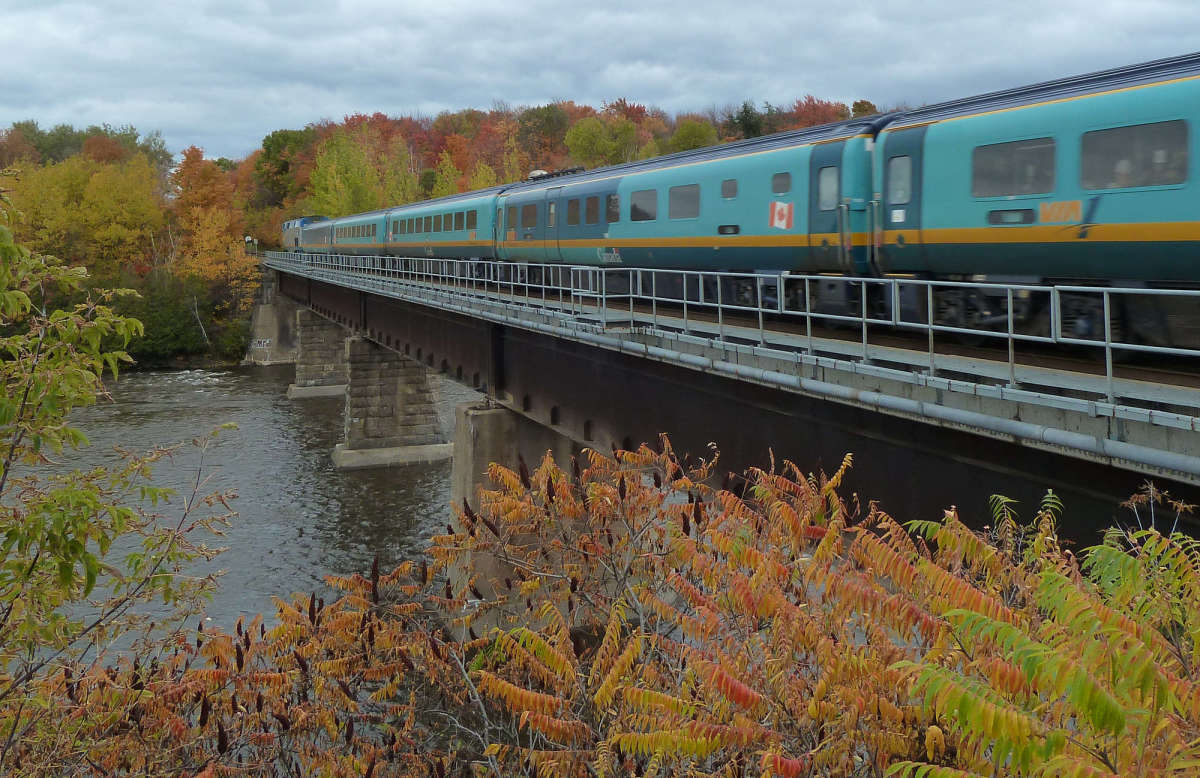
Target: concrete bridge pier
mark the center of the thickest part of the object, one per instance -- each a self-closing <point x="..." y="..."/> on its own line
<point x="321" y="369"/>
<point x="390" y="415"/>
<point x="486" y="433"/>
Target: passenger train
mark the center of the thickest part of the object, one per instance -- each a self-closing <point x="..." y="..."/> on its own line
<point x="1087" y="180"/>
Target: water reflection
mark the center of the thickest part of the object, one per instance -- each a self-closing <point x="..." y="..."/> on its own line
<point x="299" y="519"/>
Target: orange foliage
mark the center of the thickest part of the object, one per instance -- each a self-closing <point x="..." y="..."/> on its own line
<point x="631" y="617"/>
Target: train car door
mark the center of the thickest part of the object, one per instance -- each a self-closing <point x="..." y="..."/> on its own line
<point x="824" y="196"/>
<point x="553" y="223"/>
<point x="903" y="153"/>
<point x="498" y="230"/>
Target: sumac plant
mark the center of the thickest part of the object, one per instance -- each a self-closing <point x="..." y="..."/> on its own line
<point x="638" y="616"/>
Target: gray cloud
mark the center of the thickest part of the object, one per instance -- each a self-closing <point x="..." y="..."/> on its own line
<point x="224" y="74"/>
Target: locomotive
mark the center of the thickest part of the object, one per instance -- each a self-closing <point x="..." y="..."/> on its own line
<point x="1082" y="180"/>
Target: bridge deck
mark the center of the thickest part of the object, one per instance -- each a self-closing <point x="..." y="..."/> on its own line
<point x="1101" y="411"/>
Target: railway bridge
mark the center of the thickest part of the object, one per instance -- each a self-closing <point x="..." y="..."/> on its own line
<point x="573" y="357"/>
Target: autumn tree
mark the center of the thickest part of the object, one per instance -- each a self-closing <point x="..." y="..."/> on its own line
<point x="540" y="132"/>
<point x="863" y="108"/>
<point x="809" y="111"/>
<point x="210" y="246"/>
<point x="105" y="217"/>
<point x="278" y="168"/>
<point x="17" y="147"/>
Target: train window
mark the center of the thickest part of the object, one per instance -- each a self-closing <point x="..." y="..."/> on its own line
<point x="472" y="219"/>
<point x="512" y="217"/>
<point x="437" y="222"/>
<point x="612" y="208"/>
<point x="683" y="202"/>
<point x="729" y="188"/>
<point x="572" y="213"/>
<point x="412" y="227"/>
<point x="1139" y="155"/>
<point x="781" y="183"/>
<point x="1011" y="216"/>
<point x="643" y="205"/>
<point x="528" y="215"/>
<point x="1022" y="167"/>
<point x="551" y="211"/>
<point x="374" y="230"/>
<point x="460" y="220"/>
<point x="899" y="172"/>
<point x="592" y="210"/>
<point x="827" y="188"/>
<point x="428" y="224"/>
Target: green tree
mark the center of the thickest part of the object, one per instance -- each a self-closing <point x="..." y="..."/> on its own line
<point x="63" y="593"/>
<point x="593" y="141"/>
<point x="397" y="180"/>
<point x="357" y="170"/>
<point x="747" y="122"/>
<point x="482" y="177"/>
<point x="446" y="182"/>
<point x="343" y="180"/>
<point x="693" y="134"/>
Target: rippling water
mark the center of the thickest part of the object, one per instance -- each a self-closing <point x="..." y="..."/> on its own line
<point x="299" y="519"/>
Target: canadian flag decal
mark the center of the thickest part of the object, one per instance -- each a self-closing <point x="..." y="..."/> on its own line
<point x="781" y="215"/>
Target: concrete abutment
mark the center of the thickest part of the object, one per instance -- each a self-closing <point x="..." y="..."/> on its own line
<point x="486" y="433"/>
<point x="272" y="326"/>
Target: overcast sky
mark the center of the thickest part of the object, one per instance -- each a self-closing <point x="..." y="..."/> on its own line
<point x="221" y="74"/>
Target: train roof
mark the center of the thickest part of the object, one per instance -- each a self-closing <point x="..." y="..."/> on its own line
<point x="1184" y="66"/>
<point x="847" y="128"/>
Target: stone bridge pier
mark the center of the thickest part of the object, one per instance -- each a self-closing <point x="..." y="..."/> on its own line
<point x="321" y="368"/>
<point x="390" y="414"/>
<point x="381" y="365"/>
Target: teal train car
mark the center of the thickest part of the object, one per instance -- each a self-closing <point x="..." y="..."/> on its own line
<point x="1082" y="179"/>
<point x="457" y="227"/>
<point x="1087" y="179"/>
<point x="795" y="201"/>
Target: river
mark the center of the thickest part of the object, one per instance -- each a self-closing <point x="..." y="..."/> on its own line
<point x="298" y="518"/>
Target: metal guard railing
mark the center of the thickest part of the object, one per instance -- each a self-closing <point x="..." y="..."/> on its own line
<point x="611" y="296"/>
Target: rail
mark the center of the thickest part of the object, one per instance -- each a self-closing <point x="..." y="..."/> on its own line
<point x="702" y="303"/>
